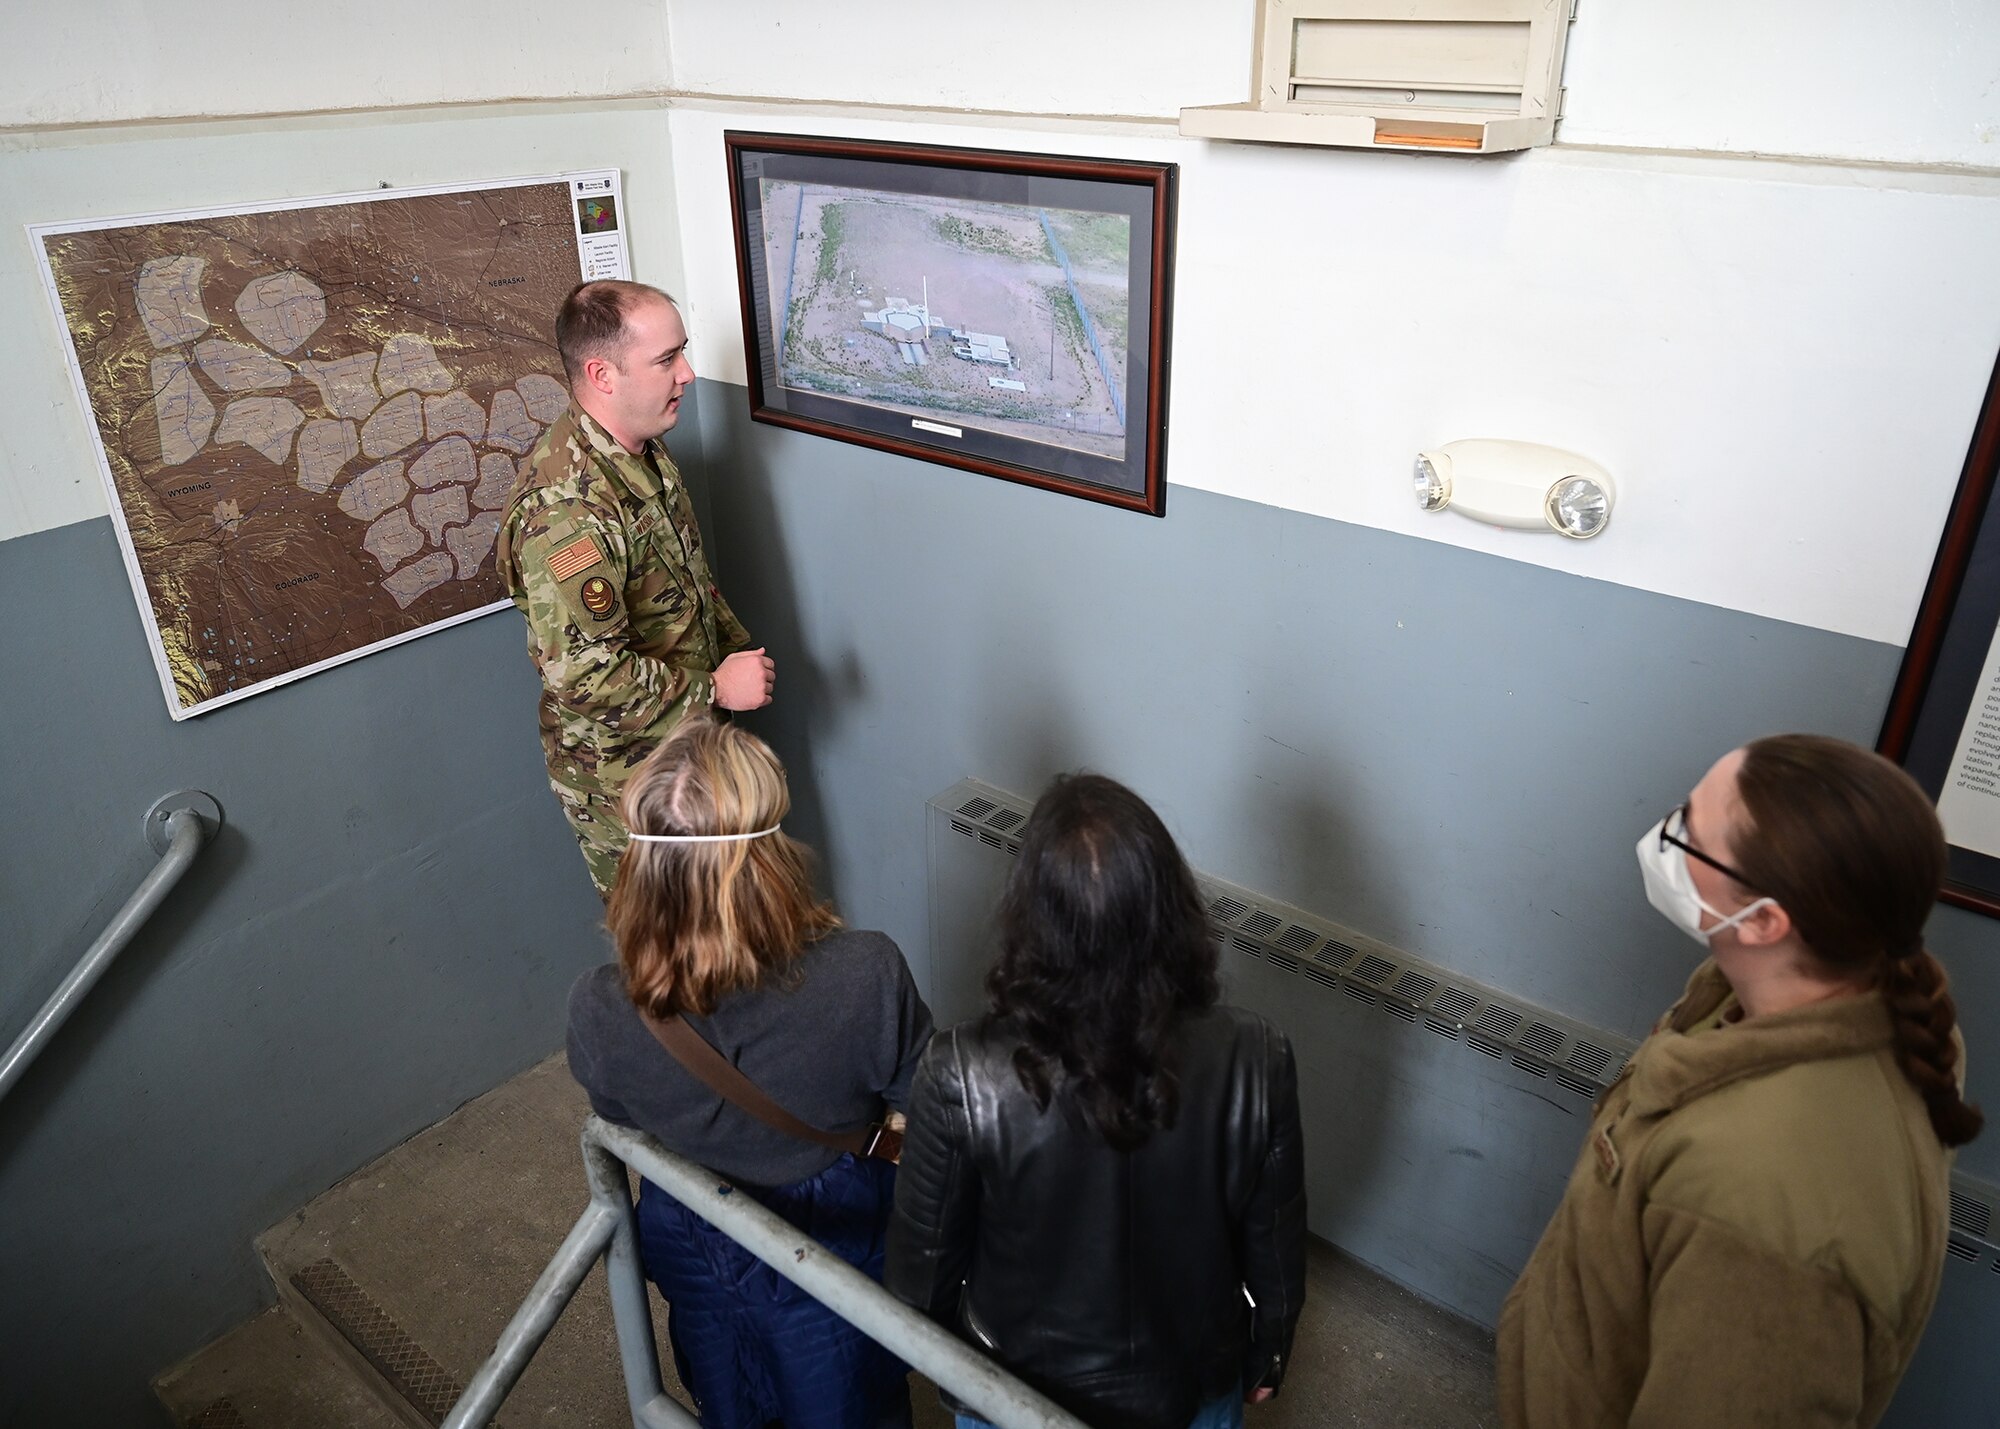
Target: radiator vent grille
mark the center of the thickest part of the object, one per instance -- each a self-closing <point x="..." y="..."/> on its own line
<point x="1970" y="1216"/>
<point x="1373" y="969"/>
<point x="1541" y="1039"/>
<point x="1261" y="924"/>
<point x="1589" y="1059"/>
<point x="1297" y="940"/>
<point x="1335" y="954"/>
<point x="1456" y="1005"/>
<point x="1227" y="910"/>
<point x="977" y="808"/>
<point x="1414" y="987"/>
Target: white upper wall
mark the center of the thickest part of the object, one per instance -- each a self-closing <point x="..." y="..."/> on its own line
<point x="98" y="61"/>
<point x="1779" y="363"/>
<point x="1912" y="82"/>
<point x="49" y="468"/>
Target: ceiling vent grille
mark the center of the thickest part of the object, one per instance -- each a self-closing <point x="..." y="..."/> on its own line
<point x="1582" y="1060"/>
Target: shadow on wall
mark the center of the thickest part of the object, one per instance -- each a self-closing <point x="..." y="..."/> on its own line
<point x="814" y="687"/>
<point x="1313" y="822"/>
<point x="49" y="1080"/>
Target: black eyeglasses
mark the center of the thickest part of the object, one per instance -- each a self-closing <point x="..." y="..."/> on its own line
<point x="1679" y="819"/>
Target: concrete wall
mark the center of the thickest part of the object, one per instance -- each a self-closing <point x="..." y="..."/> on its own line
<point x="1446" y="734"/>
<point x="1450" y="751"/>
<point x="392" y="918"/>
<point x="114" y="61"/>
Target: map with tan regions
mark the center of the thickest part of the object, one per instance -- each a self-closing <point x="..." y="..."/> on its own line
<point x="310" y="417"/>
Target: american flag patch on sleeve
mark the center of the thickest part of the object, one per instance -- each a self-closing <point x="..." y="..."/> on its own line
<point x="579" y="555"/>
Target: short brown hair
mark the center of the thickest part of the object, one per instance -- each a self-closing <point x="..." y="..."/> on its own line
<point x="1851" y="848"/>
<point x="591" y="322"/>
<point x="696" y="921"/>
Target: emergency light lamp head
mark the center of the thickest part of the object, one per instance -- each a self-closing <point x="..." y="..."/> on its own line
<point x="1520" y="484"/>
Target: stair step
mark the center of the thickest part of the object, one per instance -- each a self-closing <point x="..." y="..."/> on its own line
<point x="268" y="1374"/>
<point x="405" y="1274"/>
<point x="410" y="1268"/>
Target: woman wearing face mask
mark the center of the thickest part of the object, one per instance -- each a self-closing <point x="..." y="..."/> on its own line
<point x="1755" y="1229"/>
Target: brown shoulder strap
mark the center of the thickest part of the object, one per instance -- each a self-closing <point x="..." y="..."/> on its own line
<point x="689" y="1049"/>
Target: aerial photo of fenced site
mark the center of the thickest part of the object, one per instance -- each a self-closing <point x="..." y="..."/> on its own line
<point x="1003" y="317"/>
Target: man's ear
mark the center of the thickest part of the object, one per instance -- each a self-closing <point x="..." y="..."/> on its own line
<point x="1769" y="925"/>
<point x="600" y="373"/>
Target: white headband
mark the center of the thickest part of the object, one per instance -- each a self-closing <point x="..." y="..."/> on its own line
<point x="698" y="838"/>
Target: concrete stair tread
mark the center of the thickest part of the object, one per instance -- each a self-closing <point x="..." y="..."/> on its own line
<point x="438" y="1242"/>
<point x="268" y="1374"/>
<point x="441" y="1238"/>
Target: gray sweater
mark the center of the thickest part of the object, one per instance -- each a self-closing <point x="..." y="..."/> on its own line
<point x="836" y="1036"/>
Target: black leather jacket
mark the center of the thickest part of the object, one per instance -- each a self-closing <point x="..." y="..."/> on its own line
<point x="1114" y="1282"/>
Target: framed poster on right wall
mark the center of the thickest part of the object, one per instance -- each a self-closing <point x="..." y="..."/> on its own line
<point x="1943" y="723"/>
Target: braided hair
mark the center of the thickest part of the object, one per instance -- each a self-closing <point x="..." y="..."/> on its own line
<point x="1852" y="849"/>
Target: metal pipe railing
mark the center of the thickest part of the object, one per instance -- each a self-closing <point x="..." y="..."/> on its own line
<point x="610" y="1226"/>
<point x="177" y="826"/>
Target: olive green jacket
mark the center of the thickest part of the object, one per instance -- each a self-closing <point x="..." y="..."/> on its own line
<point x="1753" y="1234"/>
<point x="600" y="552"/>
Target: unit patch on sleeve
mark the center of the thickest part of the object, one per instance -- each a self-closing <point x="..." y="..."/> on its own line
<point x="598" y="597"/>
<point x="575" y="558"/>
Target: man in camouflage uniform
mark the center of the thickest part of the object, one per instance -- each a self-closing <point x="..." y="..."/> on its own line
<point x="600" y="551"/>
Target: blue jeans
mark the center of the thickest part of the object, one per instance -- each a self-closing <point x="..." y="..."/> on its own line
<point x="1223" y="1413"/>
<point x="751" y="1346"/>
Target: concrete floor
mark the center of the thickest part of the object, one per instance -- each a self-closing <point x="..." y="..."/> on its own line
<point x="439" y="1240"/>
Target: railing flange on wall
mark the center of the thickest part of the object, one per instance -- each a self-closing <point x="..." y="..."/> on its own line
<point x="166" y="806"/>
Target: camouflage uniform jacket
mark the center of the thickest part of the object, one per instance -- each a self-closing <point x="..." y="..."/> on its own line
<point x="600" y="552"/>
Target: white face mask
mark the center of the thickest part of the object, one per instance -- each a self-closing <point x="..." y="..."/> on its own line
<point x="1670" y="888"/>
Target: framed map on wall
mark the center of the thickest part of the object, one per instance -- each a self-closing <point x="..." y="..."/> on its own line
<point x="1004" y="313"/>
<point x="1944" y="716"/>
<point x="309" y="414"/>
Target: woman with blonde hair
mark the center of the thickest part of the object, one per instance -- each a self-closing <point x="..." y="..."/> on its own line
<point x="1756" y="1227"/>
<point x="731" y="972"/>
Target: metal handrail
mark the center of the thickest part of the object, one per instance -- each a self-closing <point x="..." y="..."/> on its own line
<point x="608" y="1227"/>
<point x="177" y="827"/>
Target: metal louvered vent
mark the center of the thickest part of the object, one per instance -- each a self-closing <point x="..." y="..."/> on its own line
<point x="1261" y="924"/>
<point x="1414" y="987"/>
<point x="1336" y="954"/>
<point x="1297" y="940"/>
<point x="1568" y="1058"/>
<point x="1541" y="1039"/>
<point x="1969" y="1215"/>
<point x="1588" y="1058"/>
<point x="1456" y="1005"/>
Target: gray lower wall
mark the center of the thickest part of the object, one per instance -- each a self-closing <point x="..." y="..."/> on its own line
<point x="387" y="926"/>
<point x="1453" y="752"/>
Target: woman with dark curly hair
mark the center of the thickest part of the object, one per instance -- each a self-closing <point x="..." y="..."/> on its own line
<point x="1756" y="1227"/>
<point x="1101" y="1183"/>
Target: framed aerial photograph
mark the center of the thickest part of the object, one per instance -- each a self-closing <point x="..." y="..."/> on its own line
<point x="1944" y="715"/>
<point x="1005" y="313"/>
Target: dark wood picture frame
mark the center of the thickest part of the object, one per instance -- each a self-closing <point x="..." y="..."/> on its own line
<point x="1938" y="684"/>
<point x="819" y="361"/>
